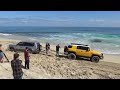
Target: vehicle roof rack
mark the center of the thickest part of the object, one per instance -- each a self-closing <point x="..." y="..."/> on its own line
<point x="78" y="44"/>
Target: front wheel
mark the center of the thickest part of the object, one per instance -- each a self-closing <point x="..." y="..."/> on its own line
<point x="72" y="56"/>
<point x="95" y="59"/>
<point x="12" y="49"/>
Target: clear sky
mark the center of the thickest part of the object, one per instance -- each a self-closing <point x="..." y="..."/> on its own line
<point x="60" y="18"/>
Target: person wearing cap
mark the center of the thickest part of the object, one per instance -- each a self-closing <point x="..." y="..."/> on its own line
<point x="16" y="65"/>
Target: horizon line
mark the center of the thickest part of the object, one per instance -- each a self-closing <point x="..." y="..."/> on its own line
<point x="59" y="26"/>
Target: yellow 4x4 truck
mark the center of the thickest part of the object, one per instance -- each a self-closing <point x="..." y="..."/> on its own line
<point x="84" y="51"/>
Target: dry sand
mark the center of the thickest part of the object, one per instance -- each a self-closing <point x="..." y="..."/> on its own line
<point x="44" y="66"/>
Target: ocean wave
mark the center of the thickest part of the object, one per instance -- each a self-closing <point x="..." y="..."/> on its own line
<point x="32" y="38"/>
<point x="5" y="34"/>
<point x="111" y="52"/>
<point x="106" y="48"/>
<point x="108" y="44"/>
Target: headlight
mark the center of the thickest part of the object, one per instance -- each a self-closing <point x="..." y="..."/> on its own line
<point x="102" y="56"/>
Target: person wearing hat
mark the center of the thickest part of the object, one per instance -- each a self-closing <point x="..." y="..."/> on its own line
<point x="16" y="65"/>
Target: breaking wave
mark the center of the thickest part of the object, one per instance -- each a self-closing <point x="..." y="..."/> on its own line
<point x="5" y="34"/>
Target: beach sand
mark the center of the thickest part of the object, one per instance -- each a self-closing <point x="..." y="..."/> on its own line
<point x="44" y="66"/>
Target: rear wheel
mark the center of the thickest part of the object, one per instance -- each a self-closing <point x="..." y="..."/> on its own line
<point x="37" y="52"/>
<point x="95" y="59"/>
<point x="72" y="56"/>
<point x="40" y="48"/>
<point x="30" y="51"/>
<point x="12" y="49"/>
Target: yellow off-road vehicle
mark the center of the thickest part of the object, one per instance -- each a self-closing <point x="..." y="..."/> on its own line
<point x="83" y="51"/>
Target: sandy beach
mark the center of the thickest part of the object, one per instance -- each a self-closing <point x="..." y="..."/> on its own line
<point x="44" y="66"/>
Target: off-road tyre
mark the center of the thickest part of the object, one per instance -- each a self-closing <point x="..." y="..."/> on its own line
<point x="71" y="56"/>
<point x="95" y="59"/>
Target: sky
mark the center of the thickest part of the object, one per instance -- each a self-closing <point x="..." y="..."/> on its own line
<point x="60" y="18"/>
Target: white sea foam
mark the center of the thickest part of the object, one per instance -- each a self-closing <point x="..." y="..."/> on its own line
<point x="32" y="38"/>
<point x="5" y="34"/>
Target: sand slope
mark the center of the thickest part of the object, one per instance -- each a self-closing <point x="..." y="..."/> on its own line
<point x="52" y="67"/>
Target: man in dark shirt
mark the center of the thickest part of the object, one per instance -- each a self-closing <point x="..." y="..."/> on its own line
<point x="26" y="56"/>
<point x="16" y="65"/>
<point x="57" y="50"/>
<point x="46" y="48"/>
<point x="65" y="50"/>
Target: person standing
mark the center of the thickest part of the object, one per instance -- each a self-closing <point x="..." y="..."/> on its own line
<point x="16" y="65"/>
<point x="65" y="50"/>
<point x="46" y="48"/>
<point x="26" y="56"/>
<point x="1" y="54"/>
<point x="57" y="50"/>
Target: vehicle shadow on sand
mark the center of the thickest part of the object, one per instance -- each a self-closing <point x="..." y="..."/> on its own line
<point x="65" y="56"/>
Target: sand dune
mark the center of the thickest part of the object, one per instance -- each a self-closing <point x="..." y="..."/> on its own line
<point x="52" y="67"/>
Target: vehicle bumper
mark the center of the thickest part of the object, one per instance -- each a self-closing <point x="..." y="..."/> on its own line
<point x="102" y="57"/>
<point x="35" y="51"/>
<point x="65" y="53"/>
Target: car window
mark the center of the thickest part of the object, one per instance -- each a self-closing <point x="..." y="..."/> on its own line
<point x="20" y="44"/>
<point x="82" y="48"/>
<point x="28" y="44"/>
<point x="79" y="47"/>
<point x="25" y="44"/>
<point x="69" y="46"/>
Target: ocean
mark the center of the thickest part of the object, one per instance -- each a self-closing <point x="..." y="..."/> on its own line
<point x="103" y="39"/>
